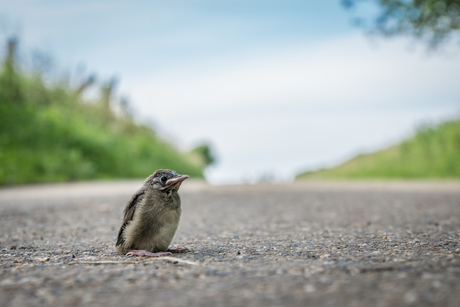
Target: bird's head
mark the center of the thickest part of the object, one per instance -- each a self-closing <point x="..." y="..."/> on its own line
<point x="166" y="180"/>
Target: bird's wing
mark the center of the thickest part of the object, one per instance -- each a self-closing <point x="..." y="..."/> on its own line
<point x="129" y="214"/>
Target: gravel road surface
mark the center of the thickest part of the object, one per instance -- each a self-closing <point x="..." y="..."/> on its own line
<point x="323" y="244"/>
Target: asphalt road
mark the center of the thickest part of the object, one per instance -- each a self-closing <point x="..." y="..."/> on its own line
<point x="324" y="244"/>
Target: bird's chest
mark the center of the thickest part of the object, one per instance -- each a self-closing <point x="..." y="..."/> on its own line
<point x="161" y="233"/>
<point x="170" y="222"/>
<point x="157" y="217"/>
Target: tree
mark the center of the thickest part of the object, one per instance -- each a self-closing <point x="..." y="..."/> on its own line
<point x="206" y="153"/>
<point x="10" y="91"/>
<point x="432" y="21"/>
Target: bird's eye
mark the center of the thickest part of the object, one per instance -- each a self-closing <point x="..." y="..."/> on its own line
<point x="163" y="179"/>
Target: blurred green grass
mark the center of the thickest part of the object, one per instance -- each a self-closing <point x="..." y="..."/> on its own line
<point x="49" y="133"/>
<point x="432" y="153"/>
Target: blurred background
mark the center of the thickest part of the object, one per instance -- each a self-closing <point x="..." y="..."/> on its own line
<point x="233" y="91"/>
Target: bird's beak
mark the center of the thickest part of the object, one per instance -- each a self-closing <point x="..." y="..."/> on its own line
<point x="177" y="179"/>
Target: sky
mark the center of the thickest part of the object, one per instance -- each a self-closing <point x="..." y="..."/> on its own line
<point x="277" y="87"/>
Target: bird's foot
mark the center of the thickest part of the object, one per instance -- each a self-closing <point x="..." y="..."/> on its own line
<point x="177" y="250"/>
<point x="144" y="253"/>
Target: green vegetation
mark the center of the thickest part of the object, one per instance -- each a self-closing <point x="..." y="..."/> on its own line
<point x="206" y="153"/>
<point x="432" y="21"/>
<point x="50" y="133"/>
<point x="434" y="152"/>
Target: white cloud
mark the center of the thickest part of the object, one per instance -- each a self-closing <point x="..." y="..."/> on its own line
<point x="306" y="106"/>
<point x="340" y="72"/>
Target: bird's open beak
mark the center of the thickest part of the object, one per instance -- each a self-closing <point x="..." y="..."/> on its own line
<point x="176" y="180"/>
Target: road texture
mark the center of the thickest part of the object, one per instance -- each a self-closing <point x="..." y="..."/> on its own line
<point x="323" y="244"/>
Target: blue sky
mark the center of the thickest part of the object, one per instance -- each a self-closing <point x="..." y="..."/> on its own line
<point x="276" y="86"/>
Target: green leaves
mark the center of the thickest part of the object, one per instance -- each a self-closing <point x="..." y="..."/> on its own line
<point x="433" y="21"/>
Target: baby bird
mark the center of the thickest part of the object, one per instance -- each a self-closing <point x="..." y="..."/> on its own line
<point x="151" y="216"/>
